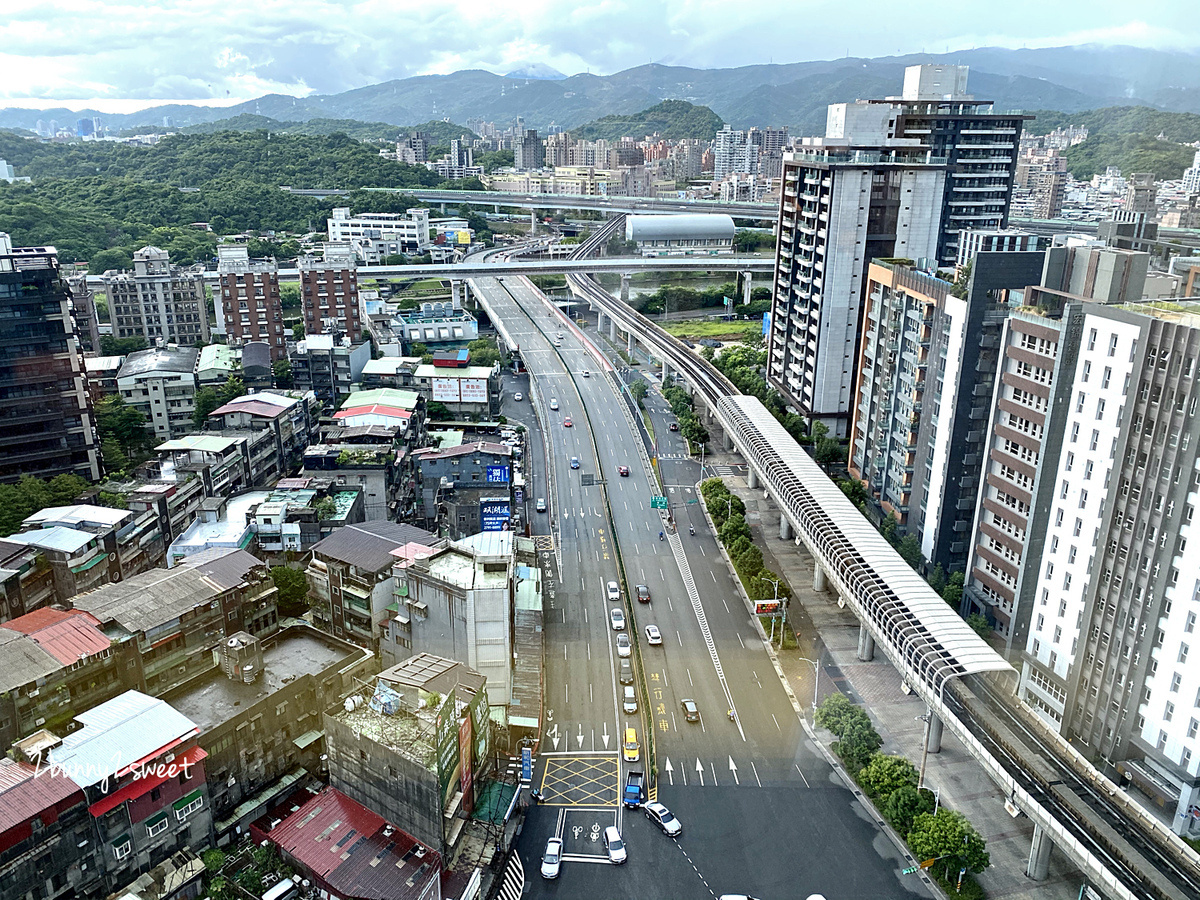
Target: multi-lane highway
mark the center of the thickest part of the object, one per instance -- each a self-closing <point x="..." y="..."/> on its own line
<point x="762" y="811"/>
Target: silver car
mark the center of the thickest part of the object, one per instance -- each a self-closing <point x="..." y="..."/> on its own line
<point x="552" y="858"/>
<point x="623" y="647"/>
<point x="662" y="817"/>
<point x="614" y="845"/>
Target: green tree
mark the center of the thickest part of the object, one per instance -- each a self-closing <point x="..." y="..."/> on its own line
<point x="857" y="745"/>
<point x="114" y="346"/>
<point x="298" y="332"/>
<point x="836" y="714"/>
<point x="105" y="260"/>
<point x="326" y="508"/>
<point x="438" y="411"/>
<point x="829" y="452"/>
<point x="124" y="427"/>
<point x="904" y="804"/>
<point x="884" y="774"/>
<point x="692" y="430"/>
<point x="952" y="592"/>
<point x="937" y="579"/>
<point x="909" y="549"/>
<point x="980" y="625"/>
<point x="735" y="526"/>
<point x="763" y="586"/>
<point x="949" y="837"/>
<point x="206" y="401"/>
<point x="749" y="564"/>
<point x="293" y="590"/>
<point x="638" y="389"/>
<point x="289" y="295"/>
<point x="233" y="388"/>
<point x="281" y="371"/>
<point x="854" y="490"/>
<point x="115" y="461"/>
<point x="482" y="352"/>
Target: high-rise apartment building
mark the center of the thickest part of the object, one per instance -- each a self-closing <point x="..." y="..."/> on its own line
<point x="375" y="235"/>
<point x="528" y="152"/>
<point x="157" y="301"/>
<point x="557" y="150"/>
<point x="733" y="152"/>
<point x="841" y="207"/>
<point x="249" y="301"/>
<point x="928" y="365"/>
<point x="329" y="292"/>
<point x="1091" y="490"/>
<point x="47" y="426"/>
<point x="1009" y="240"/>
<point x="978" y="144"/>
<point x="83" y="311"/>
<point x="1191" y="176"/>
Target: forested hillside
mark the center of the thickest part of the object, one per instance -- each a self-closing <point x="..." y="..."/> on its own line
<point x="673" y="119"/>
<point x="1126" y="137"/>
<point x="92" y="197"/>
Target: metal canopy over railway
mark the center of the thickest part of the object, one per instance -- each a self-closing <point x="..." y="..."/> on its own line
<point x="899" y="607"/>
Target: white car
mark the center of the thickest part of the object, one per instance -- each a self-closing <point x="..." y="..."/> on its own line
<point x="623" y="648"/>
<point x="662" y="817"/>
<point x="587" y="374"/>
<point x="653" y="637"/>
<point x="552" y="858"/>
<point x="518" y="396"/>
<point x="554" y="403"/>
<point x="617" y="615"/>
<point x="614" y="591"/>
<point x="614" y="845"/>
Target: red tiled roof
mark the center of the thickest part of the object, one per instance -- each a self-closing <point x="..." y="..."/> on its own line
<point x="66" y="635"/>
<point x="377" y="409"/>
<point x="356" y="852"/>
<point x="139" y="786"/>
<point x="25" y="791"/>
<point x="463" y="449"/>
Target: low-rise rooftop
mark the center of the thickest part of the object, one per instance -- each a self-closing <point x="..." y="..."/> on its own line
<point x="160" y="360"/>
<point x="293" y="653"/>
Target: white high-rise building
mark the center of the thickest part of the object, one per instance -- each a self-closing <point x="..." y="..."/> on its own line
<point x="1191" y="176"/>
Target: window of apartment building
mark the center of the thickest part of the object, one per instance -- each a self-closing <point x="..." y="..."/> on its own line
<point x="1168" y="712"/>
<point x="1107" y="377"/>
<point x="1058" y="517"/>
<point x="1193" y="727"/>
<point x="1112" y="345"/>
<point x="122" y="849"/>
<point x="1100" y="409"/>
<point x="1176" y="680"/>
<point x="1185" y="758"/>
<point x="1190" y="625"/>
<point x="1087" y="370"/>
<point x="1079" y="401"/>
<point x="1074" y="432"/>
<point x="1087" y="471"/>
<point x="1082" y="499"/>
<point x="1063" y="488"/>
<point x="1067" y="581"/>
<point x="1053" y="545"/>
<point x="1057" y="633"/>
<point x="1095" y="438"/>
<point x="1070" y="465"/>
<point x="1183" y="653"/>
<point x="1091" y="345"/>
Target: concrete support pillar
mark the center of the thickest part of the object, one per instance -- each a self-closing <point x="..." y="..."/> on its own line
<point x="666" y="371"/>
<point x="752" y="479"/>
<point x="629" y="343"/>
<point x="786" y="532"/>
<point x="818" y="577"/>
<point x="1039" y="855"/>
<point x="866" y="644"/>
<point x="496" y="208"/>
<point x="727" y="442"/>
<point x="599" y="321"/>
<point x="456" y="294"/>
<point x="532" y="223"/>
<point x="625" y="276"/>
<point x="747" y="286"/>
<point x="612" y="330"/>
<point x="935" y="733"/>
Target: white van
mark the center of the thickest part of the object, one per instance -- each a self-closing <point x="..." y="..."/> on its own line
<point x="630" y="702"/>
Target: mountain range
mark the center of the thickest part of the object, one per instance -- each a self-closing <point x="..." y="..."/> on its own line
<point x="1068" y="79"/>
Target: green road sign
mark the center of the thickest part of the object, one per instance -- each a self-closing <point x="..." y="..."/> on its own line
<point x="910" y="870"/>
<point x="658" y="502"/>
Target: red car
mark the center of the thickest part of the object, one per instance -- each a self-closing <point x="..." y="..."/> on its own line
<point x="622" y="470"/>
<point x="567" y="422"/>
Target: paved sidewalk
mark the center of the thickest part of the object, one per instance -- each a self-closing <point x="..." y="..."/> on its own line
<point x="830" y="634"/>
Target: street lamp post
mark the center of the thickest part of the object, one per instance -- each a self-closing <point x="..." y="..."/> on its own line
<point x="816" y="681"/>
<point x="775" y="615"/>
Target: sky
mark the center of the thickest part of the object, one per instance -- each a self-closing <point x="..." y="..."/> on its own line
<point x="118" y="56"/>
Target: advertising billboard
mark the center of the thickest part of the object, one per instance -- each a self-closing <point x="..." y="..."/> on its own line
<point x="464" y="237"/>
<point x="445" y="390"/>
<point x="494" y="514"/>
<point x="474" y="390"/>
<point x="446" y="736"/>
<point x="497" y="474"/>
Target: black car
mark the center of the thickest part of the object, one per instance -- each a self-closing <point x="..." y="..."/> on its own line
<point x="691" y="711"/>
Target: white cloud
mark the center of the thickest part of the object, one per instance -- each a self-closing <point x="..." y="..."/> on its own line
<point x="195" y="49"/>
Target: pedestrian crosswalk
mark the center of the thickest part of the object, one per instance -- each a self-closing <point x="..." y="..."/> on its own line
<point x="727" y="471"/>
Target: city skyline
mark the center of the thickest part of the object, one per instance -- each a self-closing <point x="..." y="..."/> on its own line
<point x="99" y="55"/>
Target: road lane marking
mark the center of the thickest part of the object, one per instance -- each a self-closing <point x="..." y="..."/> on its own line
<point x="740" y="641"/>
<point x="726" y="605"/>
<point x="755" y="768"/>
<point x="805" y="780"/>
<point x="680" y="636"/>
<point x="776" y="721"/>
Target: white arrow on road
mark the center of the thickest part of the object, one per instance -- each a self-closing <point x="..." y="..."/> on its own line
<point x="700" y="770"/>
<point x="670" y="771"/>
<point x="553" y="732"/>
<point x="604" y="736"/>
<point x="733" y="769"/>
<point x="579" y="737"/>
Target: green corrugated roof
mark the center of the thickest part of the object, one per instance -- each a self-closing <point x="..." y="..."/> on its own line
<point x="99" y="557"/>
